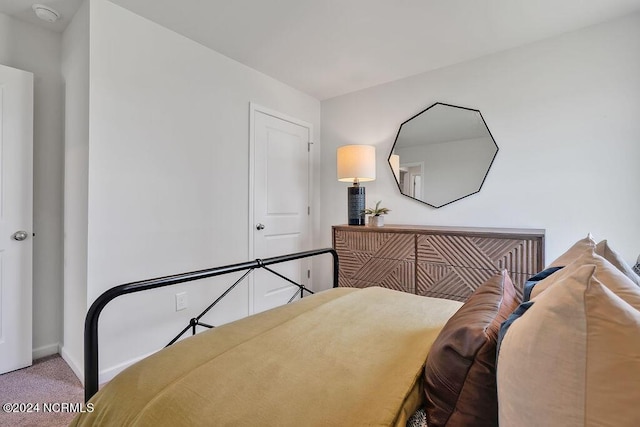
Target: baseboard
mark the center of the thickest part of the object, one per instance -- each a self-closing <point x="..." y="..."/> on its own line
<point x="45" y="350"/>
<point x="73" y="364"/>
<point x="105" y="375"/>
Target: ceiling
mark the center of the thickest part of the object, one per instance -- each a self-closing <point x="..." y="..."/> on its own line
<point x="331" y="47"/>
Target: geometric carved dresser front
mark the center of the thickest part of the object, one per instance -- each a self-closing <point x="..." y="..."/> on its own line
<point x="443" y="262"/>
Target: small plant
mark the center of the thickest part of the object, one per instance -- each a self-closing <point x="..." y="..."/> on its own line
<point x="377" y="211"/>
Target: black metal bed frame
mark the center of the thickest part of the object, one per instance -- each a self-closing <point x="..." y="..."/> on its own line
<point x="91" y="321"/>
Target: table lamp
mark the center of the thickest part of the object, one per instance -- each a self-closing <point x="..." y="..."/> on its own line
<point x="356" y="163"/>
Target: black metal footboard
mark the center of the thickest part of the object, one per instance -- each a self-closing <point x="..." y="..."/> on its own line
<point x="91" y="321"/>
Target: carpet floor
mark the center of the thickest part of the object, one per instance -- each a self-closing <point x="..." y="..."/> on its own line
<point x="50" y="384"/>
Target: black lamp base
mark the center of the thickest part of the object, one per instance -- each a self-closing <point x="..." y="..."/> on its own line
<point x="356" y="205"/>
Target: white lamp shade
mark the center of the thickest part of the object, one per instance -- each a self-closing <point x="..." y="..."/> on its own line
<point x="356" y="162"/>
<point x="394" y="161"/>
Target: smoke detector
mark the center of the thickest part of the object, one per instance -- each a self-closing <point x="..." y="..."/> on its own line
<point x="46" y="13"/>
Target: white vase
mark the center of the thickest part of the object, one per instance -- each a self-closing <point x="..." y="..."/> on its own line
<point x="376" y="220"/>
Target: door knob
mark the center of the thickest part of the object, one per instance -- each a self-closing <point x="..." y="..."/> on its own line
<point x="259" y="226"/>
<point x="20" y="235"/>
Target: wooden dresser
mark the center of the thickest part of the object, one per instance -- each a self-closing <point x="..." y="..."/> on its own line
<point x="443" y="262"/>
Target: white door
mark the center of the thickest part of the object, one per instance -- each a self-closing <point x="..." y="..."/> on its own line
<point x="280" y="161"/>
<point x="16" y="202"/>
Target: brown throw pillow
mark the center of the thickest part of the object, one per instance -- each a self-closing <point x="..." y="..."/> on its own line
<point x="460" y="373"/>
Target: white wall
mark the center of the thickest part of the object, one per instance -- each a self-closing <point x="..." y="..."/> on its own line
<point x="564" y="113"/>
<point x="37" y="50"/>
<point x="75" y="69"/>
<point x="168" y="172"/>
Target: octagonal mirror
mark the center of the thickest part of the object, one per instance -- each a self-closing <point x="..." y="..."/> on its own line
<point x="442" y="154"/>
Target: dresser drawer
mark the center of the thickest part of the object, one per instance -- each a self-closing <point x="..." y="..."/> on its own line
<point x="445" y="281"/>
<point x="388" y="273"/>
<point x="366" y="245"/>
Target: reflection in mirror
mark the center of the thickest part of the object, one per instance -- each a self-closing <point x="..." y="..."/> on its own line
<point x="442" y="154"/>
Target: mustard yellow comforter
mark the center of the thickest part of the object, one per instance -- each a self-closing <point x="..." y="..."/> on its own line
<point x="343" y="357"/>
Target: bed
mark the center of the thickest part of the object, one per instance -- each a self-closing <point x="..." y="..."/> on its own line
<point x="351" y="357"/>
<point x="344" y="356"/>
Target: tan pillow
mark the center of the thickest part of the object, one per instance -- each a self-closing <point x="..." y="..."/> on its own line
<point x="604" y="250"/>
<point x="574" y="252"/>
<point x="573" y="359"/>
<point x="607" y="273"/>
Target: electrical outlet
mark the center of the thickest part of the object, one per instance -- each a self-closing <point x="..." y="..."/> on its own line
<point x="181" y="301"/>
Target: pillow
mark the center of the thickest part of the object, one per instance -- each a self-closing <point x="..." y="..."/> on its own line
<point x="459" y="379"/>
<point x="534" y="280"/>
<point x="574" y="251"/>
<point x="604" y="250"/>
<point x="526" y="303"/>
<point x="574" y="358"/>
<point x="607" y="274"/>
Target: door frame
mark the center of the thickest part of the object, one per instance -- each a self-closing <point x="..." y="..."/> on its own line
<point x="253" y="109"/>
<point x="412" y="165"/>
